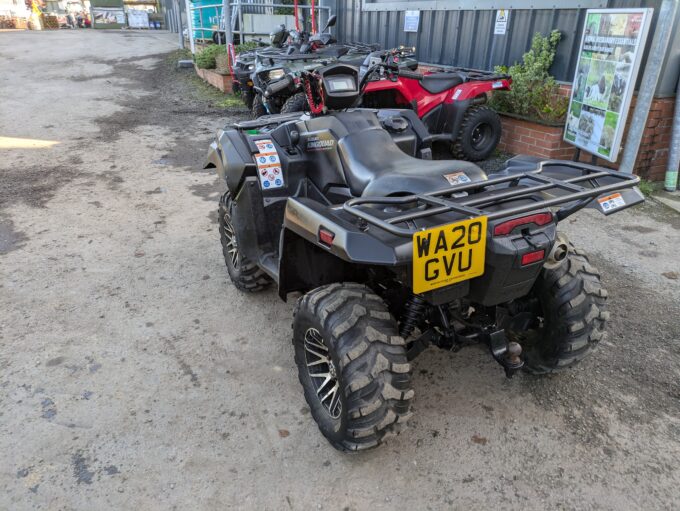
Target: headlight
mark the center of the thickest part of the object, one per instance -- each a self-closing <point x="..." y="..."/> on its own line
<point x="251" y="67"/>
<point x="275" y="74"/>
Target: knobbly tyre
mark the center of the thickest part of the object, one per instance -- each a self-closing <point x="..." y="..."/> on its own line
<point x="450" y="102"/>
<point x="393" y="252"/>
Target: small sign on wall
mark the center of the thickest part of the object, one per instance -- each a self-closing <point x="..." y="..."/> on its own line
<point x="501" y="26"/>
<point x="411" y="21"/>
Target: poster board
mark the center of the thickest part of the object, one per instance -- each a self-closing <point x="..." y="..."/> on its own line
<point x="609" y="60"/>
<point x="138" y="19"/>
<point x="108" y="17"/>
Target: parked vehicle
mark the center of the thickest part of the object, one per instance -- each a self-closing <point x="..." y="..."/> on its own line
<point x="276" y="80"/>
<point x="244" y="63"/>
<point x="451" y="102"/>
<point x="393" y="253"/>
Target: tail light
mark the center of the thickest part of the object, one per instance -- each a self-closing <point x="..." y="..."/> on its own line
<point x="532" y="257"/>
<point x="326" y="237"/>
<point x="508" y="226"/>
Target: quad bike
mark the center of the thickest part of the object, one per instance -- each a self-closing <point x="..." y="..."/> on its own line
<point x="244" y="63"/>
<point x="393" y="252"/>
<point x="451" y="102"/>
<point x="278" y="87"/>
<point x="275" y="81"/>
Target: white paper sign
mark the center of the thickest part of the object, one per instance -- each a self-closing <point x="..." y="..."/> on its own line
<point x="411" y="21"/>
<point x="501" y="26"/>
<point x="138" y="19"/>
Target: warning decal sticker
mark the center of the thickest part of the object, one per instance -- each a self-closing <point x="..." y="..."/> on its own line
<point x="457" y="178"/>
<point x="268" y="165"/>
<point x="611" y="202"/>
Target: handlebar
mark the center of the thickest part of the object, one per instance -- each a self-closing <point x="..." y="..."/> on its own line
<point x="276" y="87"/>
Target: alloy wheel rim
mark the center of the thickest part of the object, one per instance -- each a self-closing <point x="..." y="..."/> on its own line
<point x="231" y="244"/>
<point x="322" y="372"/>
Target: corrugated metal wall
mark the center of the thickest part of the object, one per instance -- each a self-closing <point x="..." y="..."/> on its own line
<point x="465" y="37"/>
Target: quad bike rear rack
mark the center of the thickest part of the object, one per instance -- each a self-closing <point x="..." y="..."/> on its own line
<point x="462" y="198"/>
<point x="475" y="74"/>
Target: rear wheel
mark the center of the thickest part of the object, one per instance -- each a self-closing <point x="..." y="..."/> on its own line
<point x="219" y="37"/>
<point x="258" y="109"/>
<point x="295" y="103"/>
<point x="479" y="134"/>
<point x="569" y="305"/>
<point x="245" y="274"/>
<point x="352" y="365"/>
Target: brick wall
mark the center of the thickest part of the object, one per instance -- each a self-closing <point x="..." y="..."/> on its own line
<point x="522" y="137"/>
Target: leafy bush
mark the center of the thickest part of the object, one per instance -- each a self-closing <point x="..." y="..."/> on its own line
<point x="535" y="93"/>
<point x="247" y="46"/>
<point x="205" y="59"/>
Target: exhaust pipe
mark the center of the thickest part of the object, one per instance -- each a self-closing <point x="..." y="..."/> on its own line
<point x="558" y="253"/>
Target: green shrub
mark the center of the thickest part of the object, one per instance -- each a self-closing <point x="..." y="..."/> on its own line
<point x="205" y="59"/>
<point x="247" y="46"/>
<point x="535" y="93"/>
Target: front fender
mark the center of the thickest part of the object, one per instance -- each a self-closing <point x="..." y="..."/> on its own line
<point x="214" y="160"/>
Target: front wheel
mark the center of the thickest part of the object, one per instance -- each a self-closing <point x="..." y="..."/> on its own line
<point x="295" y="103"/>
<point x="258" y="109"/>
<point x="569" y="304"/>
<point x="352" y="365"/>
<point x="245" y="274"/>
<point x="479" y="134"/>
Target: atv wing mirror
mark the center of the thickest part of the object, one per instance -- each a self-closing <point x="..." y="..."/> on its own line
<point x="330" y="23"/>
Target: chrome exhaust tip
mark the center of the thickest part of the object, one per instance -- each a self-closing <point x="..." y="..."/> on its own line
<point x="558" y="253"/>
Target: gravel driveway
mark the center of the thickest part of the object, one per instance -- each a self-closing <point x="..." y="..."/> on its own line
<point x="133" y="375"/>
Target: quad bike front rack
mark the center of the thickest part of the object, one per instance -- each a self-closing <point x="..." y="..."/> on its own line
<point x="462" y="198"/>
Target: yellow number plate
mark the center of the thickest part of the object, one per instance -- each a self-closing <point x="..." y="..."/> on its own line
<point x="445" y="255"/>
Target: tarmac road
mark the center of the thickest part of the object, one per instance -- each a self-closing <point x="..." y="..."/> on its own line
<point x="133" y="375"/>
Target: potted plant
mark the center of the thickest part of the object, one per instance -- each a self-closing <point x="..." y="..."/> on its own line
<point x="534" y="111"/>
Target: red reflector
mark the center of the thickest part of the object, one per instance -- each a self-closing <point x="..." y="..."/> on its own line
<point x="507" y="227"/>
<point x="532" y="257"/>
<point x="326" y="237"/>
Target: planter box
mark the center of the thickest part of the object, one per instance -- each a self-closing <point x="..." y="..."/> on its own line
<point x="521" y="136"/>
<point x="220" y="81"/>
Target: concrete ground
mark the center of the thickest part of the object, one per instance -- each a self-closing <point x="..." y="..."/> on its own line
<point x="133" y="375"/>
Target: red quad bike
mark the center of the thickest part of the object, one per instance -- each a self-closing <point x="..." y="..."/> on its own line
<point x="451" y="103"/>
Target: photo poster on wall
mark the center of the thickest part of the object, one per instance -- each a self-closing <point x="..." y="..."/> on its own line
<point x="609" y="60"/>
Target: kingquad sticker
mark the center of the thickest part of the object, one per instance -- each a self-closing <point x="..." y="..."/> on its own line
<point x="611" y="202"/>
<point x="318" y="143"/>
<point x="457" y="178"/>
<point x="268" y="165"/>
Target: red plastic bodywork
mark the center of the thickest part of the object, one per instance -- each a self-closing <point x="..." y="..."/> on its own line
<point x="408" y="90"/>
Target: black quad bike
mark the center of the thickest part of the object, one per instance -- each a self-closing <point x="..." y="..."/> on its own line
<point x="393" y="253"/>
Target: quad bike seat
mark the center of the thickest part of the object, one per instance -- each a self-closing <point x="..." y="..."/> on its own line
<point x="375" y="166"/>
<point x="439" y="82"/>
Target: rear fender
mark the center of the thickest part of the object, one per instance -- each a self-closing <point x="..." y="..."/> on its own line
<point x="305" y="266"/>
<point x="306" y="263"/>
<point x="305" y="217"/>
<point x="473" y="89"/>
<point x="445" y="121"/>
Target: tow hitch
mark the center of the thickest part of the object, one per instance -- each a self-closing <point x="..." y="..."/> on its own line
<point x="507" y="353"/>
